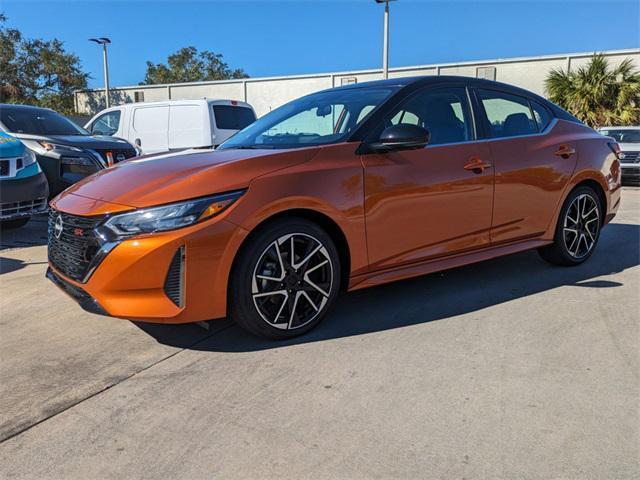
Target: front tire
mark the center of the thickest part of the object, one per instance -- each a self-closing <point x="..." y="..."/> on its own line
<point x="285" y="279"/>
<point x="578" y="229"/>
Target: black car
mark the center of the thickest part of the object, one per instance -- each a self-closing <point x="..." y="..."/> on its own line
<point x="66" y="153"/>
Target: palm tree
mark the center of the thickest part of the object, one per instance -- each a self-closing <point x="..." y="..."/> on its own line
<point x="598" y="94"/>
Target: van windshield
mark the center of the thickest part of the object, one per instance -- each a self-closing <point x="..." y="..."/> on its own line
<point x="318" y="119"/>
<point x="623" y="135"/>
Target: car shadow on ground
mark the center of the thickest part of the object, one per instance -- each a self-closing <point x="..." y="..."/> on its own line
<point x="429" y="298"/>
<point x="32" y="234"/>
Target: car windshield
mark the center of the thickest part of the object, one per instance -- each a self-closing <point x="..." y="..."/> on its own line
<point x="35" y="121"/>
<point x="623" y="135"/>
<point x="317" y="119"/>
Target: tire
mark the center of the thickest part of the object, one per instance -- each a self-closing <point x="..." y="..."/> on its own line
<point x="15" y="223"/>
<point x="303" y="291"/>
<point x="578" y="229"/>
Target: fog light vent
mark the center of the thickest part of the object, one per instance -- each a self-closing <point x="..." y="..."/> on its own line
<point x="174" y="283"/>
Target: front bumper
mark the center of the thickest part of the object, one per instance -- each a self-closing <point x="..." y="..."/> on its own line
<point x="23" y="197"/>
<point x="131" y="281"/>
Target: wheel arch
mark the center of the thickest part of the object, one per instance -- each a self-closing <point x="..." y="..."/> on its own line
<point x="585" y="179"/>
<point x="322" y="220"/>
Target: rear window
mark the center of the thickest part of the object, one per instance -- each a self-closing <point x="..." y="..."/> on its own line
<point x="229" y="117"/>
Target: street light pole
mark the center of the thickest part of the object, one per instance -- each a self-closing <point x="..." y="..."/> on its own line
<point x="385" y="48"/>
<point x="104" y="42"/>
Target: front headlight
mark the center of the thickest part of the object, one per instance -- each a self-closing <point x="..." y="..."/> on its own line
<point x="168" y="217"/>
<point x="28" y="158"/>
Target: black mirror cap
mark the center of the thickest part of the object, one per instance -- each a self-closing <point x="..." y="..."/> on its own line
<point x="403" y="136"/>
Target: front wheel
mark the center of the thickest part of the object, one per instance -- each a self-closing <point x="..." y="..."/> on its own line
<point x="578" y="229"/>
<point x="285" y="279"/>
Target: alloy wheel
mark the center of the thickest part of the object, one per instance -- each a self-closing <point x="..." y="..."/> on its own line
<point x="292" y="281"/>
<point x="581" y="225"/>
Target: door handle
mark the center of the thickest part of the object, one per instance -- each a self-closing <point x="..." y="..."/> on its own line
<point x="476" y="165"/>
<point x="565" y="151"/>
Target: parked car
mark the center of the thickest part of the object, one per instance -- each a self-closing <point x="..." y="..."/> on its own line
<point x="629" y="140"/>
<point x="66" y="153"/>
<point x="23" y="186"/>
<point x="175" y="124"/>
<point x="338" y="190"/>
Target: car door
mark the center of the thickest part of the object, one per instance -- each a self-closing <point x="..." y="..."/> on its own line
<point x="150" y="128"/>
<point x="533" y="159"/>
<point x="434" y="201"/>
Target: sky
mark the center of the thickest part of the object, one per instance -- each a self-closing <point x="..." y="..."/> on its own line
<point x="271" y="38"/>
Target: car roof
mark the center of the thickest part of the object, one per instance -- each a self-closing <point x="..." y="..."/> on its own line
<point x="17" y="106"/>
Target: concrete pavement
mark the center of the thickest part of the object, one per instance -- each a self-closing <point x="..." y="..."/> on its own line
<point x="511" y="368"/>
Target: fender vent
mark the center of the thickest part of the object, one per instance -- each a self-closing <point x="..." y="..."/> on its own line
<point x="174" y="282"/>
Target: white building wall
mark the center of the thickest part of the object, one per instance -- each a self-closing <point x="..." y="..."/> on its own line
<point x="265" y="94"/>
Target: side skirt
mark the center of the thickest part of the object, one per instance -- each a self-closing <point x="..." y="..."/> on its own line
<point x="380" y="277"/>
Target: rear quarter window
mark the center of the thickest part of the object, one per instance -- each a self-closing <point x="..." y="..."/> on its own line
<point x="229" y="117"/>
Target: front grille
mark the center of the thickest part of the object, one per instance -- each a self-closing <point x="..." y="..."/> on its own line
<point x="23" y="209"/>
<point x="117" y="154"/>
<point x="4" y="168"/>
<point x="72" y="248"/>
<point x="630" y="157"/>
<point x="174" y="282"/>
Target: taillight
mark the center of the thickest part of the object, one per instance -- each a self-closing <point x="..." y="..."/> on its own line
<point x="615" y="148"/>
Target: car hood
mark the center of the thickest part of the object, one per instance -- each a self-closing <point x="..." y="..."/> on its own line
<point x="629" y="147"/>
<point x="80" y="141"/>
<point x="172" y="177"/>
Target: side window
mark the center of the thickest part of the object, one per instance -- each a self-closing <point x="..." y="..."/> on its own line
<point x="444" y="112"/>
<point x="508" y="115"/>
<point x="106" y="124"/>
<point x="542" y="115"/>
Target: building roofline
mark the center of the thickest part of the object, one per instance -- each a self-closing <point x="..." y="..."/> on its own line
<point x="373" y="70"/>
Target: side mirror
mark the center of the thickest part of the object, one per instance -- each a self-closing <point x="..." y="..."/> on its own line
<point x="401" y="137"/>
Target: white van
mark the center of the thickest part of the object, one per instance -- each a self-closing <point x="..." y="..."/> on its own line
<point x="173" y="124"/>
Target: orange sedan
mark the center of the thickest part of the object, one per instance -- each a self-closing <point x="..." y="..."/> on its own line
<point x="338" y="190"/>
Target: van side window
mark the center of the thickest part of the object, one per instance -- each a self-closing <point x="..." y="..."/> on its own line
<point x="541" y="114"/>
<point x="106" y="124"/>
<point x="507" y="115"/>
<point x="444" y="112"/>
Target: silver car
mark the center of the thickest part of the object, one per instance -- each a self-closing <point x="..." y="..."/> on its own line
<point x="629" y="140"/>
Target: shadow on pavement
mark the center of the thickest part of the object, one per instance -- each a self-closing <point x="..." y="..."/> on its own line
<point x="433" y="297"/>
<point x="32" y="234"/>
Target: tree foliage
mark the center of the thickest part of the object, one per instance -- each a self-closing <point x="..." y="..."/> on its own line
<point x="38" y="72"/>
<point x="597" y="93"/>
<point x="189" y="65"/>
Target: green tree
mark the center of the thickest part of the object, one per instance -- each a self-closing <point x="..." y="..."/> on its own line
<point x="597" y="93"/>
<point x="189" y="65"/>
<point x="38" y="72"/>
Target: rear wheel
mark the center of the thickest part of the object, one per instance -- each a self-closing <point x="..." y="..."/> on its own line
<point x="285" y="279"/>
<point x="16" y="223"/>
<point x="578" y="229"/>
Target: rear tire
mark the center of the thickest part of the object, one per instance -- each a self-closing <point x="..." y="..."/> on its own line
<point x="284" y="280"/>
<point x="578" y="229"/>
<point x="15" y="223"/>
